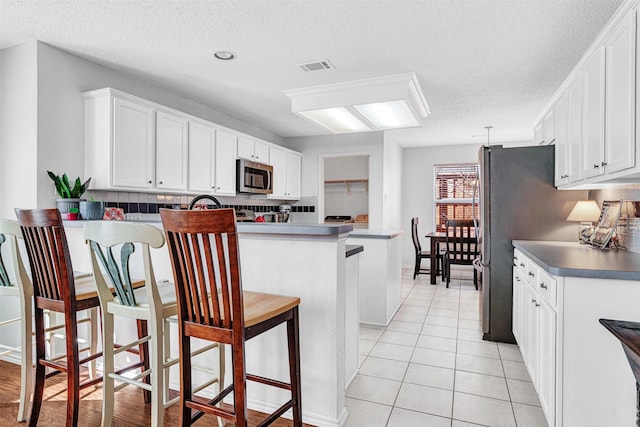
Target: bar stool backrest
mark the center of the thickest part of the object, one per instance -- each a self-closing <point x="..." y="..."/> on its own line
<point x="203" y="248"/>
<point x="51" y="269"/>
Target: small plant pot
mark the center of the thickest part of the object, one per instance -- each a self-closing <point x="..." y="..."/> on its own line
<point x="64" y="205"/>
<point x="91" y="211"/>
<point x="72" y="216"/>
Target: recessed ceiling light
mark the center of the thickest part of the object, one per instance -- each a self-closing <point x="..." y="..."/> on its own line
<point x="224" y="55"/>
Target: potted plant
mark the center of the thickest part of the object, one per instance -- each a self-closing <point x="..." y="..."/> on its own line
<point x="91" y="209"/>
<point x="69" y="195"/>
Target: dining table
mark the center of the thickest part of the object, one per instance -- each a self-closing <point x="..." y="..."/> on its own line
<point x="435" y="238"/>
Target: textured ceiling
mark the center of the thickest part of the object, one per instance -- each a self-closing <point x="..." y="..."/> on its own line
<point x="479" y="62"/>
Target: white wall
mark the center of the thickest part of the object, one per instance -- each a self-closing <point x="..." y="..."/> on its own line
<point x="315" y="149"/>
<point x="417" y="181"/>
<point x="18" y="128"/>
<point x="392" y="185"/>
<point x="45" y="95"/>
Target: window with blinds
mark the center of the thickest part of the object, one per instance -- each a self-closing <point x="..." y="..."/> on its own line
<point x="454" y="192"/>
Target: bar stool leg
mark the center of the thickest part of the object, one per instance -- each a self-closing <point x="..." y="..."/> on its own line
<point x="293" y="338"/>
<point x="38" y="389"/>
<point x="26" y="358"/>
<point x="108" y="366"/>
<point x="157" y="371"/>
<point x="73" y="374"/>
<point x="638" y="404"/>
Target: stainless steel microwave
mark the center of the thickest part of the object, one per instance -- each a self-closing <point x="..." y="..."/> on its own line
<point x="254" y="178"/>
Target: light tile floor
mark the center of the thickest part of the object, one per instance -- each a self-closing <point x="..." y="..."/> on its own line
<point x="430" y="367"/>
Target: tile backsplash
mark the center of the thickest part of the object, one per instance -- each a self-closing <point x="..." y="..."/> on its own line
<point x="151" y="202"/>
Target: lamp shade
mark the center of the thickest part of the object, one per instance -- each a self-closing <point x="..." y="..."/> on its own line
<point x="585" y="211"/>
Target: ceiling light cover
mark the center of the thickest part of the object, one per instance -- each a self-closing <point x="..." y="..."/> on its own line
<point x="380" y="103"/>
<point x="388" y="115"/>
<point x="337" y="120"/>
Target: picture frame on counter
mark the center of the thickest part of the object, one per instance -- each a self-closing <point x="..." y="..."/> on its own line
<point x="605" y="230"/>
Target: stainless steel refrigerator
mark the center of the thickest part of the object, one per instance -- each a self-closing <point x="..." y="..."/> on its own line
<point x="518" y="201"/>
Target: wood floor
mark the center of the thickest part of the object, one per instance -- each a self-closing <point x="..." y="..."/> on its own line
<point x="130" y="410"/>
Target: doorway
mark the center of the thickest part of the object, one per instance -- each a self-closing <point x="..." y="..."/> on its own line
<point x="345" y="189"/>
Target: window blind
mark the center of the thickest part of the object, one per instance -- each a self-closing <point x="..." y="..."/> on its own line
<point x="454" y="192"/>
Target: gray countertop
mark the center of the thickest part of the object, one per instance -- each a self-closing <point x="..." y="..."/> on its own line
<point x="574" y="259"/>
<point x="266" y="228"/>
<point x="368" y="233"/>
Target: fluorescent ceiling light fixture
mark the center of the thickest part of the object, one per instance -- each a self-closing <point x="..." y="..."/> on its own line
<point x="388" y="115"/>
<point x="338" y="120"/>
<point x="380" y="103"/>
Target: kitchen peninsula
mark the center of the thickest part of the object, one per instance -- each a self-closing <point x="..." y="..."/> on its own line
<point x="308" y="261"/>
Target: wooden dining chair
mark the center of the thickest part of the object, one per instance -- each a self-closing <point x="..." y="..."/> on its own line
<point x="150" y="303"/>
<point x="54" y="289"/>
<point x="203" y="247"/>
<point x="422" y="254"/>
<point x="461" y="246"/>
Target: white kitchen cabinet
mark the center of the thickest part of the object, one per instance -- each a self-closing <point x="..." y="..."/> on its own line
<point x="549" y="127"/>
<point x="620" y="96"/>
<point x="225" y="164"/>
<point x="535" y="327"/>
<point x="538" y="134"/>
<point x="544" y="132"/>
<point x="211" y="160"/>
<point x="561" y="174"/>
<point x="546" y="375"/>
<point x="119" y="141"/>
<point x="171" y="152"/>
<point x="592" y="76"/>
<point x="286" y="173"/>
<point x="253" y="150"/>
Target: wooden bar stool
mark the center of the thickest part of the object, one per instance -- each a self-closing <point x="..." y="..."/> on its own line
<point x="150" y="303"/>
<point x="54" y="289"/>
<point x="203" y="246"/>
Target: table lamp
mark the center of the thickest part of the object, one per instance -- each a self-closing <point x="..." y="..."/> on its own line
<point x="585" y="211"/>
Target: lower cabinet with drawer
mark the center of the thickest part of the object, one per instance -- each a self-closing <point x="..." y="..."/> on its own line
<point x="578" y="368"/>
<point x="534" y="326"/>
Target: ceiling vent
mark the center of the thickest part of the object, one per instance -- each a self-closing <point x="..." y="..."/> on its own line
<point x="316" y="66"/>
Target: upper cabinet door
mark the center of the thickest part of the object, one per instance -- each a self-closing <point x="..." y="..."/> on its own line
<point x="620" y="108"/>
<point x="278" y="159"/>
<point x="562" y="139"/>
<point x="133" y="145"/>
<point x="245" y="148"/>
<point x="225" y="163"/>
<point x="293" y="175"/>
<point x="592" y="76"/>
<point x="201" y="157"/>
<point x="574" y="130"/>
<point x="261" y="152"/>
<point x="549" y="124"/>
<point x="171" y="151"/>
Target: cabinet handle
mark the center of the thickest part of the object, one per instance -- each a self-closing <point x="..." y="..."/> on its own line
<point x="531" y="274"/>
<point x="149" y="182"/>
<point x="160" y="183"/>
<point x="517" y="278"/>
<point x="522" y="264"/>
<point x="596" y="166"/>
<point x="543" y="286"/>
<point x="537" y="305"/>
<point x="534" y="301"/>
<point x="217" y="188"/>
<point x="603" y="164"/>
